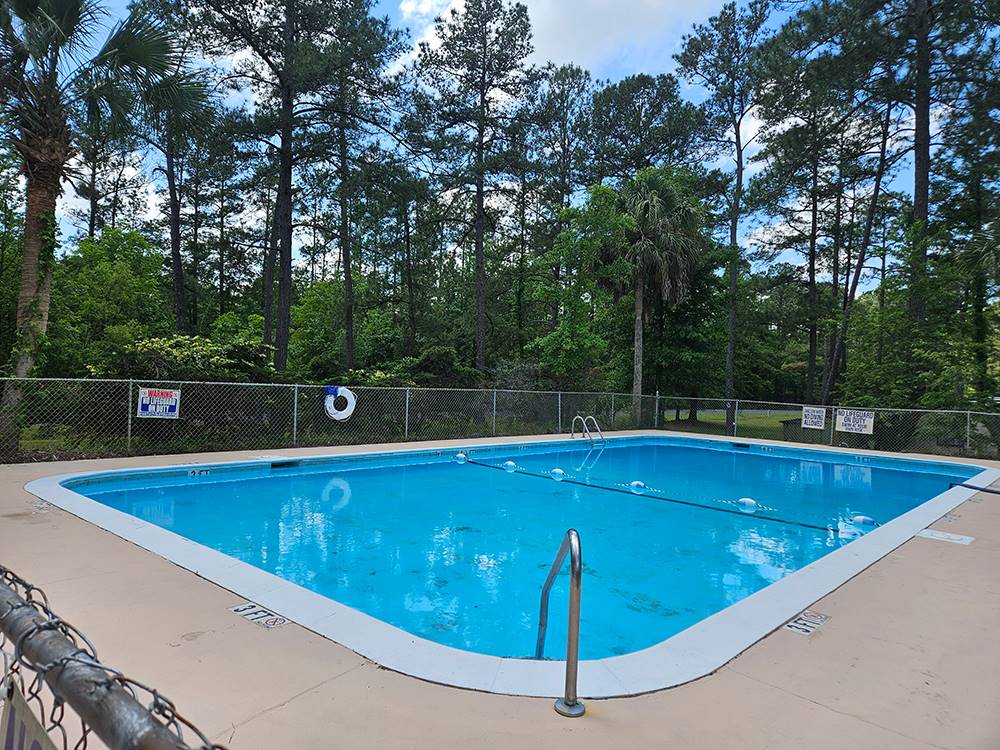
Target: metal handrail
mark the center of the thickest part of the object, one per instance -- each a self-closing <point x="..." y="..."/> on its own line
<point x="584" y="432"/>
<point x="568" y="705"/>
<point x="593" y="419"/>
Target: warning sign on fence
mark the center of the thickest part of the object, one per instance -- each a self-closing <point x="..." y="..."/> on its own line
<point x="18" y="726"/>
<point x="814" y="417"/>
<point x="858" y="421"/>
<point x="163" y="403"/>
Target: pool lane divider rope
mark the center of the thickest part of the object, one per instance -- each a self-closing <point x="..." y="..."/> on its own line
<point x="974" y="487"/>
<point x="630" y="493"/>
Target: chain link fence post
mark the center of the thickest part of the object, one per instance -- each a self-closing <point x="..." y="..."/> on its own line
<point x="736" y="419"/>
<point x="656" y="414"/>
<point x="833" y="425"/>
<point x="559" y="409"/>
<point x="295" y="415"/>
<point x="494" y="412"/>
<point x="128" y="411"/>
<point x="406" y="417"/>
<point x="968" y="432"/>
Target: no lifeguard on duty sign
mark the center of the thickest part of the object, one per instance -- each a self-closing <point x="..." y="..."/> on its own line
<point x="162" y="403"/>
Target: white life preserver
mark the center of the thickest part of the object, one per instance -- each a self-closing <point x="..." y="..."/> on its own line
<point x="329" y="403"/>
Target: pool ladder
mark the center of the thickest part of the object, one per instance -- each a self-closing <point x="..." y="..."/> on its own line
<point x="568" y="705"/>
<point x="585" y="431"/>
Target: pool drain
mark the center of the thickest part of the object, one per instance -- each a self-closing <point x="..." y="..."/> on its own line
<point x="806" y="622"/>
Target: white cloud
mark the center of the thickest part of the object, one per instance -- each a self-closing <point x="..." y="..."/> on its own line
<point x="611" y="38"/>
<point x="421" y="10"/>
<point x="638" y="34"/>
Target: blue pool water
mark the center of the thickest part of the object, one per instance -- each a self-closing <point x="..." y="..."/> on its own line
<point x="456" y="552"/>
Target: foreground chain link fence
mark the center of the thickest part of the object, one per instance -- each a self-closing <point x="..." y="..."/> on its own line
<point x="63" y="418"/>
<point x="56" y="692"/>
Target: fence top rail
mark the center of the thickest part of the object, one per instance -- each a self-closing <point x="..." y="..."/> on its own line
<point x="139" y="381"/>
<point x="744" y="403"/>
<point x="42" y="648"/>
<point x="748" y="403"/>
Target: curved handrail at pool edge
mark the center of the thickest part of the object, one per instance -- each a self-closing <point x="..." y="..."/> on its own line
<point x="568" y="705"/>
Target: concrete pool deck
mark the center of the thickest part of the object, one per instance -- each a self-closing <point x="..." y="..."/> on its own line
<point x="908" y="658"/>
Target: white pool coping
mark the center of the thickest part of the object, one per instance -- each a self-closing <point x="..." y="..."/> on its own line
<point x="695" y="652"/>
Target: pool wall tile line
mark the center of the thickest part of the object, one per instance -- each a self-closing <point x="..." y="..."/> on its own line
<point x="695" y="652"/>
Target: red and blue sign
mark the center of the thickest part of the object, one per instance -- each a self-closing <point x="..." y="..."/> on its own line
<point x="160" y="403"/>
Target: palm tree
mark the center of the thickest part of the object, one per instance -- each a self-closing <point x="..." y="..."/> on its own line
<point x="663" y="244"/>
<point x="48" y="86"/>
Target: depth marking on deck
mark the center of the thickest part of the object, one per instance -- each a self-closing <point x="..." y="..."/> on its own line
<point x="806" y="622"/>
<point x="944" y="536"/>
<point x="259" y="615"/>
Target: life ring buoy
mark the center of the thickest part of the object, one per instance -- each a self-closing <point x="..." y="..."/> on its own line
<point x="329" y="403"/>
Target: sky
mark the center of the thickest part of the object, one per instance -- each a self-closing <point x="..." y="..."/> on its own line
<point x="611" y="38"/>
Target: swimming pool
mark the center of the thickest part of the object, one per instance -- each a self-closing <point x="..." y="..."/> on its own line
<point x="440" y="554"/>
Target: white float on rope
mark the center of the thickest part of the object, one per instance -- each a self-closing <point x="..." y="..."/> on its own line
<point x="748" y="504"/>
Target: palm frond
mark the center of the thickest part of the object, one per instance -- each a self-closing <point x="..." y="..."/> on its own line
<point x="139" y="49"/>
<point x="667" y="238"/>
<point x="181" y="96"/>
<point x="73" y="22"/>
<point x="13" y="56"/>
<point x="107" y="107"/>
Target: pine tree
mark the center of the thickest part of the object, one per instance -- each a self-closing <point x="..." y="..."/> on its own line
<point x="476" y="69"/>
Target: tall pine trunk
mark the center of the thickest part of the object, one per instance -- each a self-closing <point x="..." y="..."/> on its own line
<point x="522" y="249"/>
<point x="222" y="248"/>
<point x="195" y="247"/>
<point x="921" y="155"/>
<point x="267" y="303"/>
<point x="637" y="352"/>
<point x="283" y="218"/>
<point x="480" y="252"/>
<point x="980" y="300"/>
<point x="733" y="273"/>
<point x="411" y="300"/>
<point x="812" y="301"/>
<point x="92" y="207"/>
<point x="839" y="344"/>
<point x="344" y="169"/>
<point x="174" y="223"/>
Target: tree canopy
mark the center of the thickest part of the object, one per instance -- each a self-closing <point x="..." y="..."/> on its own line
<point x="805" y="209"/>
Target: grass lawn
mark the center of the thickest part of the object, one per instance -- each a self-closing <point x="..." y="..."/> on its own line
<point x="755" y="424"/>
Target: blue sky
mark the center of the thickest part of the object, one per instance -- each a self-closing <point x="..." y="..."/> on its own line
<point x="612" y="38"/>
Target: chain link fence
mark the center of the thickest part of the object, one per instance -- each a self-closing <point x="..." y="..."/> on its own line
<point x="946" y="433"/>
<point x="64" y="418"/>
<point x="55" y="692"/>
